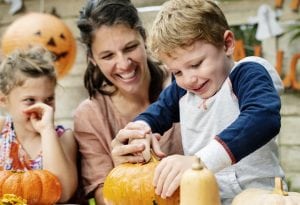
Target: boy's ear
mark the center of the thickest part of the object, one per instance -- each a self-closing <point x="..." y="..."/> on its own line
<point x="229" y="42"/>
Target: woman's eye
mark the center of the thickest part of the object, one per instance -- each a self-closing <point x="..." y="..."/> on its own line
<point x="107" y="57"/>
<point x="131" y="48"/>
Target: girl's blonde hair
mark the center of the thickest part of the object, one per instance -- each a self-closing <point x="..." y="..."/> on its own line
<point x="182" y="22"/>
<point x="32" y="62"/>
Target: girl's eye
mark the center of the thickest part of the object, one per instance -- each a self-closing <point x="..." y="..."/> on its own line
<point x="49" y="101"/>
<point x="29" y="100"/>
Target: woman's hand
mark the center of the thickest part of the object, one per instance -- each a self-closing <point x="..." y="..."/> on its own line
<point x="132" y="144"/>
<point x="168" y="174"/>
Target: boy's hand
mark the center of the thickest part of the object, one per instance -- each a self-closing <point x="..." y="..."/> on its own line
<point x="41" y="116"/>
<point x="168" y="174"/>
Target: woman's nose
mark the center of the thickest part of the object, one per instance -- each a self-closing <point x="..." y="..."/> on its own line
<point x="123" y="62"/>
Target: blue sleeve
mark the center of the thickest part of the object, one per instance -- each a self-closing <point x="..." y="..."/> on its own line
<point x="259" y="103"/>
<point x="161" y="114"/>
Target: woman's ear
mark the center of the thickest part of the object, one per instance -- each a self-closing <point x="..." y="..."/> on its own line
<point x="91" y="60"/>
<point x="229" y="42"/>
<point x="3" y="99"/>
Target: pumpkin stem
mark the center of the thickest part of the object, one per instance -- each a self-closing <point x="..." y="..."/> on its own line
<point x="154" y="158"/>
<point x="278" y="189"/>
<point x="197" y="165"/>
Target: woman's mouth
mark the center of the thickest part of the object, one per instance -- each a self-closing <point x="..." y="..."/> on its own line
<point x="127" y="76"/>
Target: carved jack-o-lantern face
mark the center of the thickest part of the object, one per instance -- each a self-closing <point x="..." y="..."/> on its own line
<point x="46" y="30"/>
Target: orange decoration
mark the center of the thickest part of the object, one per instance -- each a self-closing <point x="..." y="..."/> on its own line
<point x="294" y="5"/>
<point x="239" y="50"/>
<point x="279" y="61"/>
<point x="46" y="30"/>
<point x="257" y="50"/>
<point x="38" y="187"/>
<point x="278" y="3"/>
<point x="290" y="79"/>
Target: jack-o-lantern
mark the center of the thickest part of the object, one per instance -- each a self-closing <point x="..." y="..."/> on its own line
<point x="46" y="30"/>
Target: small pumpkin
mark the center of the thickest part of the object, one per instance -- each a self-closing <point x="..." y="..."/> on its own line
<point x="198" y="186"/>
<point x="278" y="196"/>
<point x="131" y="184"/>
<point x="38" y="187"/>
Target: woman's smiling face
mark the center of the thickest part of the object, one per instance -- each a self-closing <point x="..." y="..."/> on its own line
<point x="120" y="53"/>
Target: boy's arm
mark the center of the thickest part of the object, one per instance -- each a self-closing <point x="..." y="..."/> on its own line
<point x="161" y="114"/>
<point x="257" y="124"/>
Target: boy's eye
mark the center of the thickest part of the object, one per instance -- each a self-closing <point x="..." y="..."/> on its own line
<point x="195" y="65"/>
<point x="177" y="73"/>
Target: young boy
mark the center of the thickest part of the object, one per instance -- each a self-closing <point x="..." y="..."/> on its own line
<point x="229" y="111"/>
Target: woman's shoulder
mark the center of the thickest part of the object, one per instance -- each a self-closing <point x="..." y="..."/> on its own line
<point x="95" y="104"/>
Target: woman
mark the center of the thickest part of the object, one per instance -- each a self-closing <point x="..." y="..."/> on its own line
<point x="121" y="80"/>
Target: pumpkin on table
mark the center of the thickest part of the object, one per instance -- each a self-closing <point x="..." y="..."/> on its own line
<point x="131" y="184"/>
<point x="38" y="187"/>
<point x="266" y="197"/>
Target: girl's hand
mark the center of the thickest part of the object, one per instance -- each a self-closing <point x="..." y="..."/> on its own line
<point x="168" y="174"/>
<point x="41" y="117"/>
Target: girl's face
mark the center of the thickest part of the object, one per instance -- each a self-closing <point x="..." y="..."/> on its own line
<point x="34" y="90"/>
<point x="120" y="53"/>
<point x="200" y="68"/>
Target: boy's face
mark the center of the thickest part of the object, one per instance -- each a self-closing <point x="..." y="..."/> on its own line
<point x="200" y="68"/>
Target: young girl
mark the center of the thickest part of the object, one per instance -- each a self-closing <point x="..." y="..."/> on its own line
<point x="29" y="139"/>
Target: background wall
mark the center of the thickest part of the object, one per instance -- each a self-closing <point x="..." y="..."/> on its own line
<point x="71" y="91"/>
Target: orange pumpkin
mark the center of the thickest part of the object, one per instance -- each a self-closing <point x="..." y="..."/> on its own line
<point x="131" y="184"/>
<point x="38" y="187"/>
<point x="46" y="30"/>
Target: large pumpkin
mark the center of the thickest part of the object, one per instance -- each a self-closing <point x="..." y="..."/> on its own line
<point x="266" y="197"/>
<point x="38" y="187"/>
<point x="46" y="30"/>
<point x="131" y="184"/>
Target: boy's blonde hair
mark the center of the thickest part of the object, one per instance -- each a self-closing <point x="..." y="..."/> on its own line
<point x="182" y="22"/>
<point x="32" y="62"/>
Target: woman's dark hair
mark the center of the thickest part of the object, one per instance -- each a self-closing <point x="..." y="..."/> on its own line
<point x="111" y="12"/>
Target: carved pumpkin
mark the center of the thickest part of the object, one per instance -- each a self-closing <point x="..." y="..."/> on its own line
<point x="46" y="30"/>
<point x="38" y="187"/>
<point x="198" y="186"/>
<point x="131" y="184"/>
<point x="267" y="197"/>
